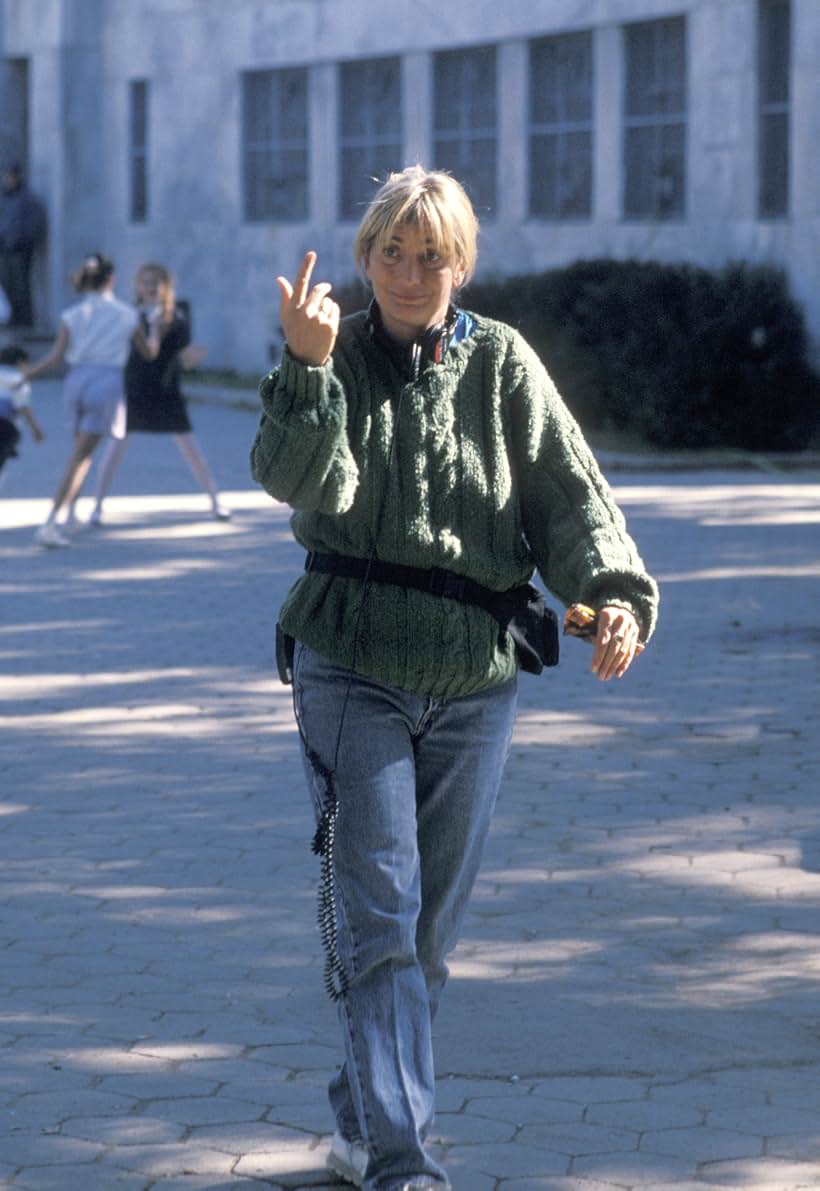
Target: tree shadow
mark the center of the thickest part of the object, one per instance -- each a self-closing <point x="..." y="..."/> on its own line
<point x="647" y="909"/>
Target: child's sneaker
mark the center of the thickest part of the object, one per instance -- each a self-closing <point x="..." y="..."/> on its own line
<point x="426" y="1185"/>
<point x="48" y="535"/>
<point x="72" y="523"/>
<point x="348" y="1159"/>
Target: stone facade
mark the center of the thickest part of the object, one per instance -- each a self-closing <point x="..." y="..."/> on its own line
<point x="68" y="68"/>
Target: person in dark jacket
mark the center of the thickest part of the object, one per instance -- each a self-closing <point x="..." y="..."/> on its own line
<point x="22" y="227"/>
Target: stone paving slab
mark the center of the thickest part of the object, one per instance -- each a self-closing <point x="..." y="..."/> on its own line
<point x="634" y="1000"/>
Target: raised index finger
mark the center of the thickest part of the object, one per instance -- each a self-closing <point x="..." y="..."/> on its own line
<point x="302" y="282"/>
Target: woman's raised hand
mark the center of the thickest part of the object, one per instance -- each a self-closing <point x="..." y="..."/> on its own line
<point x="309" y="317"/>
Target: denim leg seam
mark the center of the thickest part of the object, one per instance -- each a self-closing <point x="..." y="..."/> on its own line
<point x="407" y="1099"/>
<point x="372" y="1146"/>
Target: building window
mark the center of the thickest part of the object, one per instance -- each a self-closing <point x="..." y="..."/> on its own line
<point x="464" y="131"/>
<point x="774" y="62"/>
<point x="560" y="157"/>
<point x="138" y="150"/>
<point x="370" y="144"/>
<point x="275" y="145"/>
<point x="655" y="120"/>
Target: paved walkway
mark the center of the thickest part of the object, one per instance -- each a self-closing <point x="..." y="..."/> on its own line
<point x="635" y="999"/>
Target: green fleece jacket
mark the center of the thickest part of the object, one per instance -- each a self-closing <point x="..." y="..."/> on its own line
<point x="490" y="477"/>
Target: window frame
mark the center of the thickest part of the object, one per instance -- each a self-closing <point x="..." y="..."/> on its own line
<point x="662" y="122"/>
<point x="273" y="145"/>
<point x="465" y="132"/>
<point x="382" y="147"/>
<point x="561" y="130"/>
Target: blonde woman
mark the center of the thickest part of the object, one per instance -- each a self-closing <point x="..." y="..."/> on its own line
<point x="155" y="401"/>
<point x="432" y="467"/>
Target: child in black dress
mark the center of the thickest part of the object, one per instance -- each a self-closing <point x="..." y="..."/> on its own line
<point x="156" y="404"/>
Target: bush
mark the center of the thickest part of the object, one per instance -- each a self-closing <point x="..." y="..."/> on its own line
<point x="676" y="354"/>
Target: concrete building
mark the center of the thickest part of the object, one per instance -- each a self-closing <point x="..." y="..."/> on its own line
<point x="225" y="137"/>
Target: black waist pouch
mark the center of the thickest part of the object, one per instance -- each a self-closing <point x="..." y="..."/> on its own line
<point x="522" y="612"/>
<point x="534" y="629"/>
<point x="285" y="650"/>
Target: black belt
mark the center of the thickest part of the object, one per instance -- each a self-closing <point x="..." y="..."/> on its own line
<point x="436" y="581"/>
<point x="521" y="611"/>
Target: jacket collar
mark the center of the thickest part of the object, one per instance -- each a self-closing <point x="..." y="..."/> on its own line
<point x="411" y="358"/>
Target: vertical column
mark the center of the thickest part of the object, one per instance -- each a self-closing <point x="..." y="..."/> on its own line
<point x="47" y="163"/>
<point x="513" y="72"/>
<point x="740" y="48"/>
<point x="417" y="108"/>
<point x="323" y="156"/>
<point x="608" y="106"/>
<point x="804" y="182"/>
<point x="721" y="121"/>
<point x="81" y="85"/>
<point x="805" y="110"/>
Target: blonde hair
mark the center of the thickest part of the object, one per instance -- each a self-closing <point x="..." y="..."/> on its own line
<point x="160" y="276"/>
<point x="426" y="198"/>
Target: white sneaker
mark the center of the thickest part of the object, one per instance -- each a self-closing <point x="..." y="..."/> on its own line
<point x="220" y="512"/>
<point x="348" y="1159"/>
<point x="72" y="523"/>
<point x="95" y="520"/>
<point x="48" y="535"/>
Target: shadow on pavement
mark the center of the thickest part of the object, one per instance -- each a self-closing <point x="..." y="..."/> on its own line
<point x="646" y="920"/>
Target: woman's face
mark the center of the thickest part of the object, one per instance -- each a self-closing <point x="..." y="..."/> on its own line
<point x="412" y="284"/>
<point x="150" y="289"/>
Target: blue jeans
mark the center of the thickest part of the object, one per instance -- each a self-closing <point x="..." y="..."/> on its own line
<point x="402" y="818"/>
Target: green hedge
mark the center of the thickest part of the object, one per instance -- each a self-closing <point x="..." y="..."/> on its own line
<point x="675" y="355"/>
